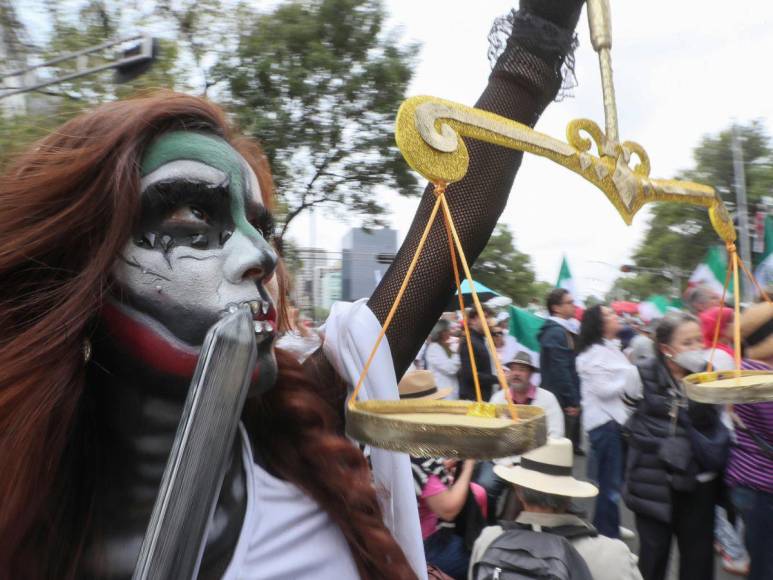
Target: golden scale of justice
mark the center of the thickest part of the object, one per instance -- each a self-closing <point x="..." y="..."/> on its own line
<point x="428" y="134"/>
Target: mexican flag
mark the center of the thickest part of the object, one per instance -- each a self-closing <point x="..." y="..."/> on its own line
<point x="565" y="279"/>
<point x="764" y="260"/>
<point x="656" y="306"/>
<point x="525" y="326"/>
<point x="712" y="271"/>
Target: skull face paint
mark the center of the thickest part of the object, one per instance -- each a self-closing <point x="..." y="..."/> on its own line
<point x="200" y="246"/>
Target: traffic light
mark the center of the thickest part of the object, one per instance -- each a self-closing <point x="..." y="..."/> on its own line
<point x="137" y="60"/>
<point x="627" y="268"/>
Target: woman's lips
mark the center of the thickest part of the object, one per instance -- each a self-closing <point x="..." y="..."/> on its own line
<point x="159" y="349"/>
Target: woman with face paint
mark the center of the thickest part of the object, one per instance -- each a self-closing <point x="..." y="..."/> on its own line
<point x="672" y="483"/>
<point x="124" y="236"/>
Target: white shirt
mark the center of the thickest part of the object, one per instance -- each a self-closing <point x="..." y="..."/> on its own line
<point x="605" y="376"/>
<point x="508" y="350"/>
<point x="443" y="368"/>
<point x="285" y="533"/>
<point x="554" y="417"/>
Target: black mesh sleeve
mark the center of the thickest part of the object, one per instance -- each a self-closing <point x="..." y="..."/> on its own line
<point x="526" y="77"/>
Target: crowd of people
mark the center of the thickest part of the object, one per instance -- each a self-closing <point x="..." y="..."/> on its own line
<point x="134" y="228"/>
<point x="695" y="473"/>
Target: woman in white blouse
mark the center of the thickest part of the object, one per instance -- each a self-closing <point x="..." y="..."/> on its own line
<point x="606" y="377"/>
<point x="441" y="360"/>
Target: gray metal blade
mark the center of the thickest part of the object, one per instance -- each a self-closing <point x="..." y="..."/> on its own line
<point x="175" y="539"/>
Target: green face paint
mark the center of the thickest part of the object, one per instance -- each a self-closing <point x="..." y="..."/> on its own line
<point x="212" y="151"/>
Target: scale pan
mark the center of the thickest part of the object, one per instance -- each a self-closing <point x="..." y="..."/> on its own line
<point x="432" y="428"/>
<point x="727" y="387"/>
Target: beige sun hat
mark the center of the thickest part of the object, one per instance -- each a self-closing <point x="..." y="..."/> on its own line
<point x="548" y="469"/>
<point x="421" y="385"/>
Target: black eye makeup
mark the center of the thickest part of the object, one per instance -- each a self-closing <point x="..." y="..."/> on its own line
<point x="195" y="214"/>
<point x="262" y="220"/>
<point x="184" y="213"/>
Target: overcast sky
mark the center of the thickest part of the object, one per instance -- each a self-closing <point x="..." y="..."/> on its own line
<point x="682" y="70"/>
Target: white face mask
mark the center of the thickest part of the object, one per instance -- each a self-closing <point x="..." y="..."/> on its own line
<point x="693" y="361"/>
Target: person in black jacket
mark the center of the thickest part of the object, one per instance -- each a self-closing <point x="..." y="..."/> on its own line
<point x="677" y="448"/>
<point x="482" y="358"/>
<point x="557" y="362"/>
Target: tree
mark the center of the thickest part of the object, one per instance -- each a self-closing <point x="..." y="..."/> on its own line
<point x="318" y="82"/>
<point x="679" y="235"/>
<point x="540" y="290"/>
<point x="82" y="26"/>
<point x="504" y="269"/>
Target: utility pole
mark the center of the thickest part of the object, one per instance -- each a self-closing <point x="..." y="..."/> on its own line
<point x="127" y="62"/>
<point x="742" y="212"/>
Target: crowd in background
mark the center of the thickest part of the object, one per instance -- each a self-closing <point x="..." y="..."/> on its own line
<point x="699" y="474"/>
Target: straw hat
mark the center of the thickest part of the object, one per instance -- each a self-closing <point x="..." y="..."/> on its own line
<point x="421" y="385"/>
<point x="548" y="469"/>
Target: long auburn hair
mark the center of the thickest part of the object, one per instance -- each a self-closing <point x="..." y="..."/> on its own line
<point x="67" y="207"/>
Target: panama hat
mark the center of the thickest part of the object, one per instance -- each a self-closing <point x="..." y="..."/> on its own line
<point x="522" y="358"/>
<point x="548" y="469"/>
<point x="421" y="385"/>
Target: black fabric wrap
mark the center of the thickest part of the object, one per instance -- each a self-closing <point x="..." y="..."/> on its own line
<point x="546" y="468"/>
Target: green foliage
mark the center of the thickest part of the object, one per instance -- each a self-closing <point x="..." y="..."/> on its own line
<point x="318" y="82"/>
<point x="81" y="26"/>
<point x="504" y="269"/>
<point x="680" y="235"/>
<point x="540" y="290"/>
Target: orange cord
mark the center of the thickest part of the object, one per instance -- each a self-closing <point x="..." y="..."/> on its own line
<point x="398" y="298"/>
<point x="754" y="280"/>
<point x="737" y="316"/>
<point x="453" y="238"/>
<point x="715" y="341"/>
<point x="479" y="308"/>
<point x="465" y="321"/>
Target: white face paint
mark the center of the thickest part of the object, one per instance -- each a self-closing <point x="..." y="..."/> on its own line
<point x="196" y="285"/>
<point x="185" y="288"/>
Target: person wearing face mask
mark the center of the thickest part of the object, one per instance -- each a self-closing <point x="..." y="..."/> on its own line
<point x="607" y="378"/>
<point x="675" y="454"/>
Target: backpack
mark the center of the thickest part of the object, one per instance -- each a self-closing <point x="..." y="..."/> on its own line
<point x="520" y="553"/>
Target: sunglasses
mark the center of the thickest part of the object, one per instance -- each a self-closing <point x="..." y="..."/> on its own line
<point x="497" y="333"/>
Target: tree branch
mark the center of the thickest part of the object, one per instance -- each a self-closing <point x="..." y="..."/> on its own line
<point x="65" y="95"/>
<point x="296" y="212"/>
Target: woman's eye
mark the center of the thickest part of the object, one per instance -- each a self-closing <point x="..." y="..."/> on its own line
<point x="187" y="215"/>
<point x="266" y="229"/>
